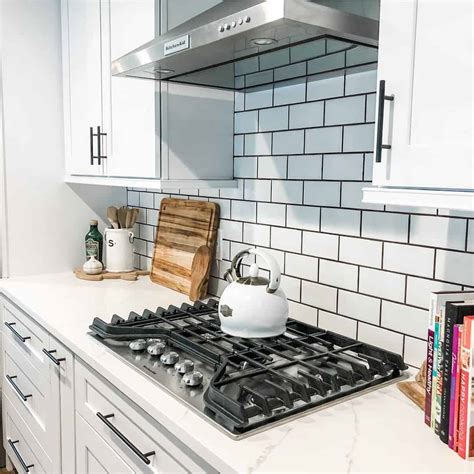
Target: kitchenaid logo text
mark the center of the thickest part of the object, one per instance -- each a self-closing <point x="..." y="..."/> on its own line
<point x="176" y="45"/>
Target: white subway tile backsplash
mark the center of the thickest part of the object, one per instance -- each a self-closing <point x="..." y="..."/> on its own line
<point x="275" y="118"/>
<point x="408" y="259"/>
<point x="420" y="289"/>
<point x="381" y="337"/>
<point x="326" y="63"/>
<point x="245" y="167"/>
<point x="303" y="313"/>
<point x="339" y="324"/>
<point x="340" y="221"/>
<point x="292" y="287"/>
<point x="243" y="211"/>
<point x="359" y="138"/>
<point x="290" y="192"/>
<point x="455" y="267"/>
<point x="361" y="252"/>
<point x="343" y="167"/>
<point x="323" y="86"/>
<point x="288" y="143"/>
<point x="259" y="97"/>
<point x="272" y="167"/>
<point x="303" y="217"/>
<point x="309" y="114"/>
<point x="351" y="196"/>
<point x="231" y="193"/>
<point x="441" y="232"/>
<point x="257" y="190"/>
<point x="362" y="79"/>
<point x="320" y="245"/>
<point x="146" y="200"/>
<point x="382" y="284"/>
<point x="301" y="266"/>
<point x="231" y="230"/>
<point x="258" y="144"/>
<point x="319" y="296"/>
<point x="239" y="99"/>
<point x="341" y="275"/>
<point x="322" y="193"/>
<point x="290" y="92"/>
<point x="385" y="226"/>
<point x="246" y="122"/>
<point x="276" y="254"/>
<point x="289" y="72"/>
<point x="133" y="198"/>
<point x="246" y="66"/>
<point x="370" y="108"/>
<point x="404" y="319"/>
<point x="323" y="140"/>
<point x="415" y="351"/>
<point x="470" y="236"/>
<point x="259" y="78"/>
<point x="308" y="50"/>
<point x="271" y="214"/>
<point x="360" y="307"/>
<point x="304" y="167"/>
<point x="345" y="110"/>
<point x="286" y="239"/>
<point x="274" y="59"/>
<point x="361" y="55"/>
<point x="152" y="216"/>
<point x="257" y="234"/>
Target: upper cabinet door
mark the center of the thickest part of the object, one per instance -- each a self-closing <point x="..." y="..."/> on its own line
<point x="82" y="83"/>
<point x="129" y="105"/>
<point x="426" y="58"/>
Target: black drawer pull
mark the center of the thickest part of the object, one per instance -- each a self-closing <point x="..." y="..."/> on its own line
<point x="25" y="466"/>
<point x="16" y="333"/>
<point x="381" y="106"/>
<point x="91" y="144"/>
<point x="53" y="359"/>
<point x="24" y="397"/>
<point x="143" y="457"/>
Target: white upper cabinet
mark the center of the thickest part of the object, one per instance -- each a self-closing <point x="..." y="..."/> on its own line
<point x="425" y="60"/>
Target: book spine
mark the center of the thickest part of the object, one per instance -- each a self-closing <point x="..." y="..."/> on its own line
<point x="458" y="389"/>
<point x="439" y="386"/>
<point x="429" y="376"/>
<point x="452" y="395"/>
<point x="434" y="386"/>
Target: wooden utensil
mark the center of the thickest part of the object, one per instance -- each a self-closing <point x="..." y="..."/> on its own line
<point x="112" y="216"/>
<point x="128" y="218"/>
<point x="122" y="217"/>
<point x="184" y="226"/>
<point x="135" y="213"/>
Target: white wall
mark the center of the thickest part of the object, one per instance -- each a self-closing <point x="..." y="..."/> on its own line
<point x="46" y="219"/>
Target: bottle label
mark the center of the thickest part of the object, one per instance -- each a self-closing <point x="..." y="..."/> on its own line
<point x="92" y="248"/>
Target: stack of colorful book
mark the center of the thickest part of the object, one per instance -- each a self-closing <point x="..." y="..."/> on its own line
<point x="449" y="404"/>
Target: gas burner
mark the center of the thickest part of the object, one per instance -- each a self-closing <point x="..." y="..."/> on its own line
<point x="245" y="385"/>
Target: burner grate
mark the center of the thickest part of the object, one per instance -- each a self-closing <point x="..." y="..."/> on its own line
<point x="258" y="381"/>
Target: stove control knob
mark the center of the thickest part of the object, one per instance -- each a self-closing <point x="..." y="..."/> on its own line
<point x="184" y="367"/>
<point x="152" y="340"/>
<point x="170" y="358"/>
<point x="138" y="345"/>
<point x="156" y="349"/>
<point x="193" y="379"/>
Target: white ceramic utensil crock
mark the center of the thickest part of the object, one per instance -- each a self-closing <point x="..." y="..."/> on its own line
<point x="253" y="306"/>
<point x="119" y="250"/>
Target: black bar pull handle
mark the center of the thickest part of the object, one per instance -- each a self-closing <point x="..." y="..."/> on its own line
<point x="99" y="148"/>
<point x="16" y="333"/>
<point x="143" y="456"/>
<point x="17" y="389"/>
<point x="381" y="106"/>
<point x="91" y="144"/>
<point x="53" y="359"/>
<point x="25" y="466"/>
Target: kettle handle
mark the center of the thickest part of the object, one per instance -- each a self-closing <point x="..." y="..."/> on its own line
<point x="275" y="273"/>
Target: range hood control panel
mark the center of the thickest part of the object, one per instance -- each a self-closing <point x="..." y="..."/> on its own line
<point x="239" y="22"/>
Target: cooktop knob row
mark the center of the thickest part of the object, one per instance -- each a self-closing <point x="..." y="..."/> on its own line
<point x="170" y="358"/>
<point x="138" y="345"/>
<point x="193" y="379"/>
<point x="184" y="367"/>
<point x="156" y="349"/>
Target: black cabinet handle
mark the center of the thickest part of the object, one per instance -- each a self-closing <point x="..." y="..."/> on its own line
<point x="10" y="378"/>
<point x="91" y="144"/>
<point x="53" y="359"/>
<point x="131" y="446"/>
<point x="25" y="466"/>
<point x="16" y="333"/>
<point x="99" y="135"/>
<point x="381" y="106"/>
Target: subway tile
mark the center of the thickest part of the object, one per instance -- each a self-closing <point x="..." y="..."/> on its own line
<point x="420" y="289"/>
<point x="238" y="145"/>
<point x="301" y="266"/>
<point x="259" y="97"/>
<point x="320" y="245"/>
<point x="231" y="230"/>
<point x="382" y="284"/>
<point x="291" y="286"/>
<point x="340" y="221"/>
<point x="290" y="192"/>
<point x="289" y="72"/>
<point x="368" y="166"/>
<point x="133" y="198"/>
<point x="239" y="101"/>
<point x="246" y="66"/>
<point x="217" y="286"/>
<point x="140" y="246"/>
<point x="323" y="86"/>
<point x="345" y="110"/>
<point x="352" y="195"/>
<point x="360" y="307"/>
<point x="245" y="167"/>
<point x="370" y="108"/>
<point x="337" y="324"/>
<point x="324" y="140"/>
<point x="236" y="247"/>
<point x="408" y="259"/>
<point x="152" y="216"/>
<point x="157" y="198"/>
<point x="361" y="79"/>
<point x="317" y="295"/>
<point x="146" y="200"/>
<point x="456" y="213"/>
<point x="286" y="239"/>
<point x="288" y="143"/>
<point x="306" y="115"/>
<point x="411" y="209"/>
<point x="322" y="193"/>
<point x="257" y="190"/>
<point x="404" y="319"/>
<point x="258" y="144"/>
<point x="259" y="78"/>
<point x="359" y="137"/>
<point x="361" y="252"/>
<point x="304" y="167"/>
<point x="304" y="313"/>
<point x="289" y="92"/>
<point x="338" y="274"/>
<point x="376" y="336"/>
<point x="438" y="232"/>
<point x="272" y="167"/>
<point x="275" y="59"/>
<point x="239" y="82"/>
<point x="246" y="122"/>
<point x="303" y="217"/>
<point x="224" y="207"/>
<point x="361" y="55"/>
<point x="244" y="211"/>
<point x="333" y="45"/>
<point x="233" y="193"/>
<point x="309" y="50"/>
<point x="455" y="267"/>
<point x="275" y="118"/>
<point x="146" y="232"/>
<point x="276" y="254"/>
<point x="342" y="167"/>
<point x="415" y="351"/>
<point x="326" y="63"/>
<point x="470" y="236"/>
<point x="271" y="214"/>
<point x="385" y="226"/>
<point x="257" y="234"/>
<point x="209" y="192"/>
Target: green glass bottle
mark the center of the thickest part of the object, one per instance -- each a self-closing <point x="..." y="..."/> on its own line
<point x="94" y="242"/>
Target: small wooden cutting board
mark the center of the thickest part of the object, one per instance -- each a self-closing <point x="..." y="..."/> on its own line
<point x="105" y="275"/>
<point x="184" y="227"/>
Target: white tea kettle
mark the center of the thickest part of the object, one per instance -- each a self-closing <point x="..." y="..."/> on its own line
<point x="253" y="306"/>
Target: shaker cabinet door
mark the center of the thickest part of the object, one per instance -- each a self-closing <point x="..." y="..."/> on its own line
<point x="81" y="26"/>
<point x="426" y="60"/>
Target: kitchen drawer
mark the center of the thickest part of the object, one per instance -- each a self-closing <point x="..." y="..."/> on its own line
<point x="26" y="334"/>
<point x="21" y="446"/>
<point x="107" y="410"/>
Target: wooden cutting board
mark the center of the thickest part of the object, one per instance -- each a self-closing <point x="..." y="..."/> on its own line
<point x="184" y="245"/>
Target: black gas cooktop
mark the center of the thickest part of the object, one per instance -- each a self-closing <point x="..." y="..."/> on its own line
<point x="244" y="385"/>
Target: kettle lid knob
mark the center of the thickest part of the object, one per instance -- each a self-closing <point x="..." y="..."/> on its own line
<point x="253" y="271"/>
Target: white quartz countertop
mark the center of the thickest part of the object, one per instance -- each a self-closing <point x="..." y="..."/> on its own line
<point x="381" y="431"/>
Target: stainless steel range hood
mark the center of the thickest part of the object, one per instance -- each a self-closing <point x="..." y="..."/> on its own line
<point x="204" y="49"/>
